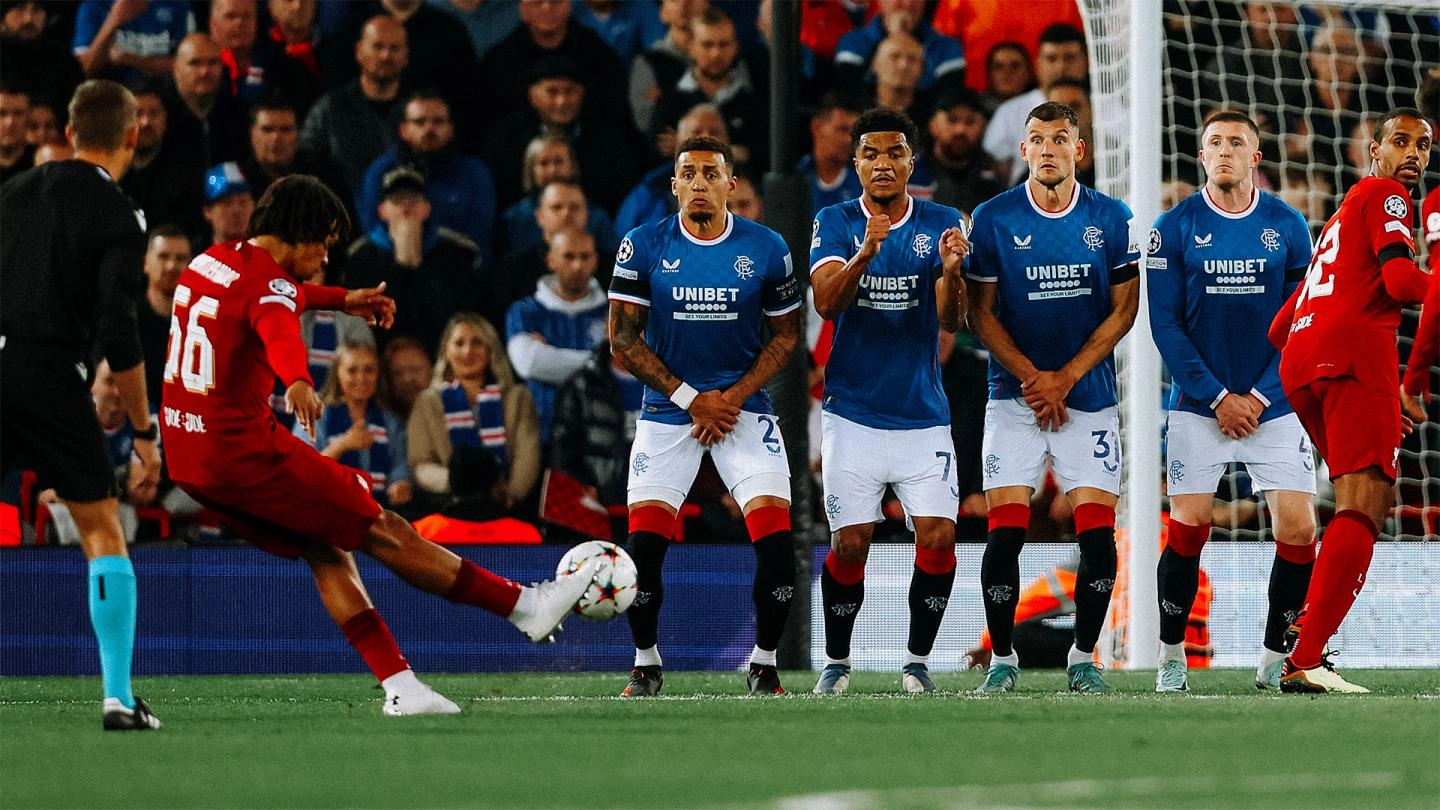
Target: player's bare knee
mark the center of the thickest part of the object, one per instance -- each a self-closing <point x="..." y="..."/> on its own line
<point x="936" y="536"/>
<point x="852" y="547"/>
<point x="1296" y="532"/>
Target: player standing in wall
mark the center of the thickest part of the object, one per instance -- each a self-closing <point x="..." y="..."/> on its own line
<point x="888" y="270"/>
<point x="1340" y="369"/>
<point x="689" y="295"/>
<point x="234" y="330"/>
<point x="72" y="259"/>
<point x="1056" y="287"/>
<point x="1222" y="262"/>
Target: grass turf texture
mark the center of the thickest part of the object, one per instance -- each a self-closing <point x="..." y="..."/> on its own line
<point x="542" y="740"/>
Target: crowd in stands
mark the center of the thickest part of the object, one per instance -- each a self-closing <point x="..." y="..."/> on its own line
<point x="494" y="152"/>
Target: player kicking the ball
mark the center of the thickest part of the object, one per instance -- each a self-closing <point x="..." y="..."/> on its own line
<point x="235" y="328"/>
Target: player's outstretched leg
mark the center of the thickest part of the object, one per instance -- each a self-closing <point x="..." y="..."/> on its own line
<point x="113" y="599"/>
<point x="767" y="519"/>
<point x="1178" y="578"/>
<point x="345" y="598"/>
<point x="536" y="610"/>
<point x="652" y="524"/>
<point x="842" y="592"/>
<point x="1095" y="579"/>
<point x="1000" y="591"/>
<point x="930" y="584"/>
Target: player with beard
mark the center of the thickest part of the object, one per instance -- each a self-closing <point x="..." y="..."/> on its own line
<point x="887" y="269"/>
<point x="1056" y="287"/>
<point x="1222" y="263"/>
<point x="1340" y="369"/>
<point x="689" y="296"/>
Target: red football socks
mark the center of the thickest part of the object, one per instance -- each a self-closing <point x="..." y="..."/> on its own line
<point x="483" y="589"/>
<point x="1339" y="575"/>
<point x="370" y="637"/>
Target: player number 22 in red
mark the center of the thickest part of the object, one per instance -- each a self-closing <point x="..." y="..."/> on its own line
<point x="1318" y="283"/>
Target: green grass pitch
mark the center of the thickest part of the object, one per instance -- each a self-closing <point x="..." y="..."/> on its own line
<point x="564" y="740"/>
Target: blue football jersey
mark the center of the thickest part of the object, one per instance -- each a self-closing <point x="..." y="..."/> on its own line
<point x="1053" y="272"/>
<point x="884" y="368"/>
<point x="1216" y="280"/>
<point x="707" y="301"/>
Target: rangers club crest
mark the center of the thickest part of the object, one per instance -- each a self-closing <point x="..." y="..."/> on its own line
<point x="744" y="267"/>
<point x="1270" y="238"/>
<point x="1397" y="206"/>
<point x="1094" y="238"/>
<point x="922" y="244"/>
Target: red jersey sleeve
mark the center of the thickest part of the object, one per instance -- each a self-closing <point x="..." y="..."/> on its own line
<point x="1426" y="349"/>
<point x="274" y="314"/>
<point x="318" y="297"/>
<point x="1388" y="219"/>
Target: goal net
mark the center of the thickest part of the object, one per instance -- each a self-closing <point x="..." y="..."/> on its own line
<point x="1315" y="79"/>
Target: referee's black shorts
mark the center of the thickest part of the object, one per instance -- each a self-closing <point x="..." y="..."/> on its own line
<point x="48" y="424"/>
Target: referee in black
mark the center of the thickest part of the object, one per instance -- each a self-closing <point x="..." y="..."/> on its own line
<point x="72" y="249"/>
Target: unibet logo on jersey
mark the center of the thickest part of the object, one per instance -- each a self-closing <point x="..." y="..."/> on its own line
<point x="1053" y="271"/>
<point x="1233" y="270"/>
<point x="884" y="361"/>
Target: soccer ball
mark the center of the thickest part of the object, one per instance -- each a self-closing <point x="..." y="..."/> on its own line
<point x="614" y="588"/>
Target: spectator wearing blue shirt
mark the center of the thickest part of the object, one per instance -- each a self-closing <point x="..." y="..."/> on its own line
<point x="548" y="158"/>
<point x="627" y="27"/>
<point x="127" y="42"/>
<point x="828" y="166"/>
<point x="550" y="335"/>
<point x="460" y="188"/>
<point x="944" y="57"/>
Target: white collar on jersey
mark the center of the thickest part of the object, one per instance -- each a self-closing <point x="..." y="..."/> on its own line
<point x="1214" y="206"/>
<point x="1070" y="206"/>
<point x="729" y="226"/>
<point x="909" y="209"/>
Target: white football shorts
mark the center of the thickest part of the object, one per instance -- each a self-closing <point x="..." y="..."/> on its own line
<point x="751" y="460"/>
<point x="857" y="462"/>
<point x="1085" y="452"/>
<point x="1277" y="455"/>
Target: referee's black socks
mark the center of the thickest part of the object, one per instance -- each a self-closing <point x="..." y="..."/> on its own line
<point x="1000" y="572"/>
<point x="1095" y="579"/>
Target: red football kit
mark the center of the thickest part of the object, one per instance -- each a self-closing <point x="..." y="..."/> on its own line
<point x="234" y="329"/>
<point x="1426" y="349"/>
<point x="1338" y="363"/>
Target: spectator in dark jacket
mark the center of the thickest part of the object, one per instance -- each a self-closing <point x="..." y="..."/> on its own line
<point x="350" y="126"/>
<point x="595" y="415"/>
<point x="431" y="272"/>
